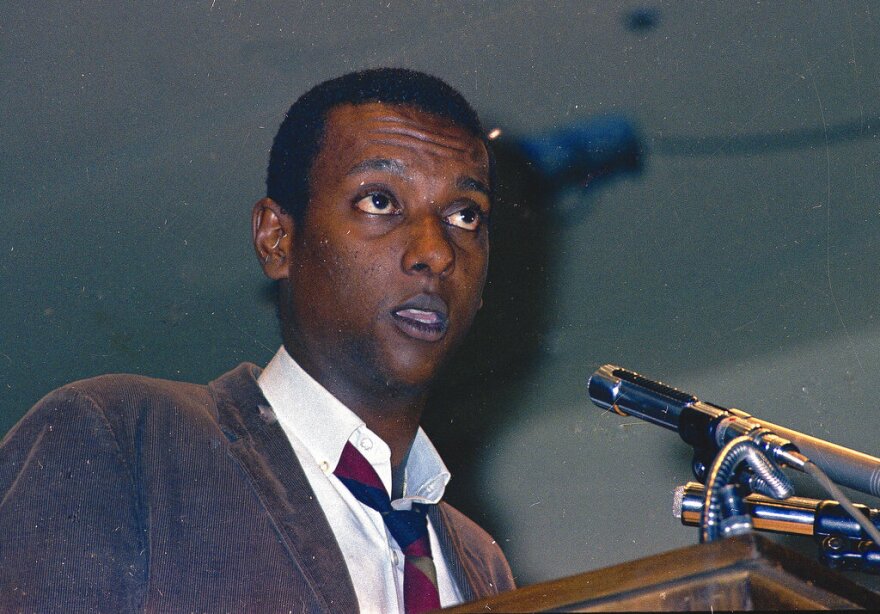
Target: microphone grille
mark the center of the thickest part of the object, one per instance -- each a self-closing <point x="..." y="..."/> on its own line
<point x="657" y="387"/>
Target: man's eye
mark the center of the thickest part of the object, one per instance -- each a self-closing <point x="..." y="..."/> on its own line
<point x="469" y="218"/>
<point x="377" y="204"/>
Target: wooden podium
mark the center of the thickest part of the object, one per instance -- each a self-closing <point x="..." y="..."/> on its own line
<point x="748" y="572"/>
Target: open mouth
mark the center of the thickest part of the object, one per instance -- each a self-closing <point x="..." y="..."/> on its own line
<point x="423" y="317"/>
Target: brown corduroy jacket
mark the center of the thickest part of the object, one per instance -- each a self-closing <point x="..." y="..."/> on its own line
<point x="124" y="493"/>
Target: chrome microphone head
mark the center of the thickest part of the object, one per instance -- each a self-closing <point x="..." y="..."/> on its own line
<point x="628" y="393"/>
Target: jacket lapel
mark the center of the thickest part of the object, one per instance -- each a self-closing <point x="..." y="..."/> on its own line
<point x="262" y="450"/>
<point x="450" y="544"/>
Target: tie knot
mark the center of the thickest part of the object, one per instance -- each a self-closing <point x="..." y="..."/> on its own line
<point x="409" y="528"/>
<point x="361" y="479"/>
<point x="358" y="475"/>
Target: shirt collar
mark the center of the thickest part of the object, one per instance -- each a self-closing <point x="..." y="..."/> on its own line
<point x="307" y="411"/>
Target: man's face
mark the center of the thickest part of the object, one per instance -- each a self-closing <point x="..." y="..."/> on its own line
<point x="387" y="268"/>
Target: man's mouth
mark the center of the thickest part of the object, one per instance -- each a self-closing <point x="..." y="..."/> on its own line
<point x="423" y="317"/>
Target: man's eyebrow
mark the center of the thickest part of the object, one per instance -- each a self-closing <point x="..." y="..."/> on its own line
<point x="395" y="167"/>
<point x="473" y="185"/>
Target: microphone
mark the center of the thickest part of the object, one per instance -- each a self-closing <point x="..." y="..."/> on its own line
<point x="709" y="426"/>
<point x="793" y="516"/>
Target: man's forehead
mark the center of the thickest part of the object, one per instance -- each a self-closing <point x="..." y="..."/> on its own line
<point x="362" y="127"/>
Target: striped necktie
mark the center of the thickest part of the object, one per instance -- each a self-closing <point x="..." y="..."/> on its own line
<point x="409" y="528"/>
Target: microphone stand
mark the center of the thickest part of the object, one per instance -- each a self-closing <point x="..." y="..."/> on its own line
<point x="842" y="542"/>
<point x="728" y="438"/>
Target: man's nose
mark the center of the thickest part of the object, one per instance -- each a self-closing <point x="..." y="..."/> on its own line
<point x="428" y="249"/>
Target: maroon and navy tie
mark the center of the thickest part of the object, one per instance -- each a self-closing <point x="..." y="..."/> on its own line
<point x="408" y="527"/>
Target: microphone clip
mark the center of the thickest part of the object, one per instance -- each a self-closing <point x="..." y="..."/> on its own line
<point x="738" y="423"/>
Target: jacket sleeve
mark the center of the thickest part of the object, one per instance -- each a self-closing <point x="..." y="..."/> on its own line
<point x="71" y="536"/>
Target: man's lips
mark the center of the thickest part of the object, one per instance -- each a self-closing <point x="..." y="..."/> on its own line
<point x="423" y="317"/>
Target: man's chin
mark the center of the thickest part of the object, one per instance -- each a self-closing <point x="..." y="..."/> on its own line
<point x="399" y="368"/>
<point x="412" y="372"/>
<point x="410" y="378"/>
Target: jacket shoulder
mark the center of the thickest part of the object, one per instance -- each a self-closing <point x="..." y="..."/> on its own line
<point x="122" y="401"/>
<point x="121" y="388"/>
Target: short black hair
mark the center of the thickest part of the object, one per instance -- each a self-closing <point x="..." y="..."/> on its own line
<point x="300" y="135"/>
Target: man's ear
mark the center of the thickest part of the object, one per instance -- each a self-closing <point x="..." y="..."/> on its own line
<point x="273" y="236"/>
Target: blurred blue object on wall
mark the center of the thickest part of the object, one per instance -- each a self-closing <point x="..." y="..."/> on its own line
<point x="585" y="151"/>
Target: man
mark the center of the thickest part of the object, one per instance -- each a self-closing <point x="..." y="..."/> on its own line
<point x="279" y="490"/>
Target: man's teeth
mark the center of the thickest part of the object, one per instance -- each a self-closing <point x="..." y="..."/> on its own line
<point x="420" y="315"/>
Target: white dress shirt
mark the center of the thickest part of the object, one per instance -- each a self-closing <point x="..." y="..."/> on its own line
<point x="318" y="425"/>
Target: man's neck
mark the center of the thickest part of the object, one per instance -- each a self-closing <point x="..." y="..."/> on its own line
<point x="398" y="479"/>
<point x="393" y="413"/>
<point x="396" y="428"/>
<point x="394" y="420"/>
